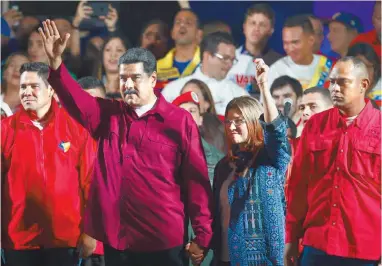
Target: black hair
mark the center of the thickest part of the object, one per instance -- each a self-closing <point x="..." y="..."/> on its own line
<point x="140" y="55"/>
<point x="42" y="70"/>
<point x="198" y="24"/>
<point x="369" y="53"/>
<point x="284" y="81"/>
<point x="322" y="91"/>
<point x="264" y="9"/>
<point x="358" y="64"/>
<point x="302" y="21"/>
<point x="211" y="42"/>
<point x="90" y="82"/>
<point x="163" y="28"/>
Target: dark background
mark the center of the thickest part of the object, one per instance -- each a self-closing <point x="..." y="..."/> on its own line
<point x="133" y="15"/>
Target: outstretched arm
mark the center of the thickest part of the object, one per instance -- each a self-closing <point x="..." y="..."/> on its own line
<point x="79" y="104"/>
<point x="270" y="109"/>
<point x="275" y="127"/>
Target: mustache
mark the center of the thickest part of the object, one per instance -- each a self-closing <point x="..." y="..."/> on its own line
<point x="130" y="92"/>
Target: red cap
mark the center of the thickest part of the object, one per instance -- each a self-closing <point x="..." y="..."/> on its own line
<point x="188" y="97"/>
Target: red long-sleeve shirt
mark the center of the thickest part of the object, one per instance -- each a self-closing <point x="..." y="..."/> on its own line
<point x="334" y="193"/>
<point x="149" y="169"/>
<point x="46" y="175"/>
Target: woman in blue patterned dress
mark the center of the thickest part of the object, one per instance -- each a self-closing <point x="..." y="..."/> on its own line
<point x="249" y="182"/>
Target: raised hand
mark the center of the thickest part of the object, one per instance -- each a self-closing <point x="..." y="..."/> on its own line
<point x="54" y="45"/>
<point x="261" y="72"/>
<point x="270" y="109"/>
<point x="12" y="17"/>
<point x="111" y="19"/>
<point x="84" y="11"/>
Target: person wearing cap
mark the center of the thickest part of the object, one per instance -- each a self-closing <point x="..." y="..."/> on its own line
<point x="189" y="101"/>
<point x="343" y="28"/>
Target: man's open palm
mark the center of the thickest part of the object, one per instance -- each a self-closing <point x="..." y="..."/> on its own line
<point x="54" y="45"/>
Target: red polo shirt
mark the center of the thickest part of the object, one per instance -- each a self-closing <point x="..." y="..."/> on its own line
<point x="334" y="193"/>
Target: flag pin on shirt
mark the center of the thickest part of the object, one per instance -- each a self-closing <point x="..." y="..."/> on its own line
<point x="64" y="146"/>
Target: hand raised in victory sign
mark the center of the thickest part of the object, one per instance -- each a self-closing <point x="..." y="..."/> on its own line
<point x="54" y="45"/>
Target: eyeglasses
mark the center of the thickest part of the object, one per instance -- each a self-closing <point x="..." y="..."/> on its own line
<point x="237" y="122"/>
<point x="226" y="59"/>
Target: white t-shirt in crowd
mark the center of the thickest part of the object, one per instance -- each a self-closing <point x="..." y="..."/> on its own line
<point x="305" y="74"/>
<point x="243" y="73"/>
<point x="223" y="91"/>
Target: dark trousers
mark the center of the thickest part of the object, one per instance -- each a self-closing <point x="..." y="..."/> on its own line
<point x="94" y="260"/>
<point x="223" y="263"/>
<point x="315" y="257"/>
<point x="170" y="257"/>
<point x="41" y="257"/>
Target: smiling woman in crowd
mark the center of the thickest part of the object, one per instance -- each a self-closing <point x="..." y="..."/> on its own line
<point x="248" y="189"/>
<point x="112" y="50"/>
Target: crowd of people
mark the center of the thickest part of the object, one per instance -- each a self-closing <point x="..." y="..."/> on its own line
<point x="206" y="153"/>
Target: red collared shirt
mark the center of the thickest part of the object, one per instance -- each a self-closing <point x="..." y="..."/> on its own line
<point x="334" y="193"/>
<point x="149" y="170"/>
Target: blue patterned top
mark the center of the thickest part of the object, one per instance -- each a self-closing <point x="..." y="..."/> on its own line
<point x="257" y="220"/>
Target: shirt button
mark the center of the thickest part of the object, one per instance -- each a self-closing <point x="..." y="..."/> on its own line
<point x="334" y="205"/>
<point x="335" y="187"/>
<point x="334" y="223"/>
<point x="338" y="168"/>
<point x="346" y="132"/>
<point x="342" y="150"/>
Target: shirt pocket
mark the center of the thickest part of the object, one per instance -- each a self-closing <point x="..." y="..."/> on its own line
<point x="158" y="151"/>
<point x="321" y="152"/>
<point x="366" y="159"/>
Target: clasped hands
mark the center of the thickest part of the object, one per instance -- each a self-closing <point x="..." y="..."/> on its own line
<point x="195" y="252"/>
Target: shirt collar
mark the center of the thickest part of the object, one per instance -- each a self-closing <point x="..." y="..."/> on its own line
<point x="161" y="107"/>
<point x="362" y="119"/>
<point x="244" y="51"/>
<point x="26" y="118"/>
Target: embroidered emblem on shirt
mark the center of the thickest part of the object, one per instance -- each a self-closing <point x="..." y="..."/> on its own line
<point x="195" y="97"/>
<point x="64" y="146"/>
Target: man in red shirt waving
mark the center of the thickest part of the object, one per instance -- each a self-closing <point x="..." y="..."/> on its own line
<point x="150" y="171"/>
<point x="334" y="195"/>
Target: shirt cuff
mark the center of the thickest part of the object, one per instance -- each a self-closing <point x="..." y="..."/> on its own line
<point x="57" y="72"/>
<point x="203" y="241"/>
<point x="272" y="125"/>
